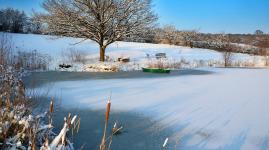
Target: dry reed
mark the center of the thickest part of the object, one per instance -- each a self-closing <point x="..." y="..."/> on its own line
<point x="19" y="128"/>
<point x="103" y="144"/>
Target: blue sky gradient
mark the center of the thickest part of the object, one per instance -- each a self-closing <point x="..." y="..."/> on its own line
<point x="214" y="16"/>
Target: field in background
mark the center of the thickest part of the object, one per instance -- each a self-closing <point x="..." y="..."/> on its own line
<point x="84" y="56"/>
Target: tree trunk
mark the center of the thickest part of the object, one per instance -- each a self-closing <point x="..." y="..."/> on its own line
<point x="102" y="53"/>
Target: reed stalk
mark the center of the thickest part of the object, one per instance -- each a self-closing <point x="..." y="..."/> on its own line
<point x="103" y="145"/>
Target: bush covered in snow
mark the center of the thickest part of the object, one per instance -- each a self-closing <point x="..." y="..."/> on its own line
<point x="71" y="55"/>
<point x="19" y="127"/>
<point x="29" y="60"/>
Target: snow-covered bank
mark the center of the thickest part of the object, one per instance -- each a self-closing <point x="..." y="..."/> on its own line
<point x="137" y="52"/>
<point x="224" y="110"/>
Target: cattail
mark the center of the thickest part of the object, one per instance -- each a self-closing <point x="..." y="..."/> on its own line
<point x="32" y="140"/>
<point x="114" y="129"/>
<point x="51" y="106"/>
<point x="78" y="124"/>
<point x="102" y="145"/>
<point x="69" y="120"/>
<point x="165" y="142"/>
<point x="47" y="143"/>
<point x="73" y="119"/>
<point x="108" y="110"/>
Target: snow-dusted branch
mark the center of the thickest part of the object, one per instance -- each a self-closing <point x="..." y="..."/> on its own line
<point x="103" y="21"/>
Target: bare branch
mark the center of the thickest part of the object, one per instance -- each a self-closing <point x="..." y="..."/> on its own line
<point x="103" y="21"/>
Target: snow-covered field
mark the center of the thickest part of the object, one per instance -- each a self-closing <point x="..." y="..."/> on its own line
<point x="224" y="110"/>
<point x="137" y="52"/>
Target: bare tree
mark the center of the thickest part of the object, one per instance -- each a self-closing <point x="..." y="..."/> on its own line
<point x="166" y="35"/>
<point x="170" y="34"/>
<point x="267" y="58"/>
<point x="224" y="44"/>
<point x="5" y="50"/>
<point x="34" y="26"/>
<point x="228" y="58"/>
<point x="12" y="20"/>
<point x="258" y="32"/>
<point x="263" y="50"/>
<point x="103" y="21"/>
<point x="188" y="37"/>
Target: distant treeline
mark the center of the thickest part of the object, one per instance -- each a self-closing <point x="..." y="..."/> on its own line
<point x="256" y="43"/>
<point x="15" y="21"/>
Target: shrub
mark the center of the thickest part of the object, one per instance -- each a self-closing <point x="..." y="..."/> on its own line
<point x="166" y="63"/>
<point x="32" y="60"/>
<point x="5" y="49"/>
<point x="19" y="127"/>
<point x="29" y="60"/>
<point x="74" y="56"/>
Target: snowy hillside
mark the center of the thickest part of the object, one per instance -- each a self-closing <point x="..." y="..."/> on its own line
<point x="139" y="53"/>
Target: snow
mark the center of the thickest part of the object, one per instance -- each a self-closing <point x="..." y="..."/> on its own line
<point x="224" y="110"/>
<point x="55" y="46"/>
<point x="215" y="111"/>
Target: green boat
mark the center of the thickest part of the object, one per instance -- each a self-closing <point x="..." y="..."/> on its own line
<point x="156" y="70"/>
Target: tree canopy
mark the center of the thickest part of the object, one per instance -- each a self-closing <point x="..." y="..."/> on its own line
<point x="103" y="21"/>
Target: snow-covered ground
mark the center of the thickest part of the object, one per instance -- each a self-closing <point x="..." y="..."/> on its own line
<point x="137" y="52"/>
<point x="224" y="110"/>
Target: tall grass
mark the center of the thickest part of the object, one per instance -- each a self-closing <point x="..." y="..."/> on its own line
<point x="107" y="140"/>
<point x="103" y="145"/>
<point x="71" y="56"/>
<point x="28" y="60"/>
<point x="19" y="127"/>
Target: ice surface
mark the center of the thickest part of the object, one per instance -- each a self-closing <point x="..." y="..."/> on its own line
<point x="224" y="110"/>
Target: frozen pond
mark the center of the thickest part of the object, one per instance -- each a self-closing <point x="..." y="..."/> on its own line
<point x="40" y="78"/>
<point x="197" y="109"/>
<point x="140" y="132"/>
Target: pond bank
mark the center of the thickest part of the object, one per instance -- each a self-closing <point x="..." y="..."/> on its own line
<point x="37" y="79"/>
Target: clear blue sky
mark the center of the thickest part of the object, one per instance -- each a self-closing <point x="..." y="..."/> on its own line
<point x="230" y="16"/>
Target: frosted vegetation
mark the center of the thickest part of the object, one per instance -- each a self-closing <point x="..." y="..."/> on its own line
<point x="223" y="109"/>
<point x="84" y="56"/>
<point x="20" y="128"/>
<point x="215" y="97"/>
